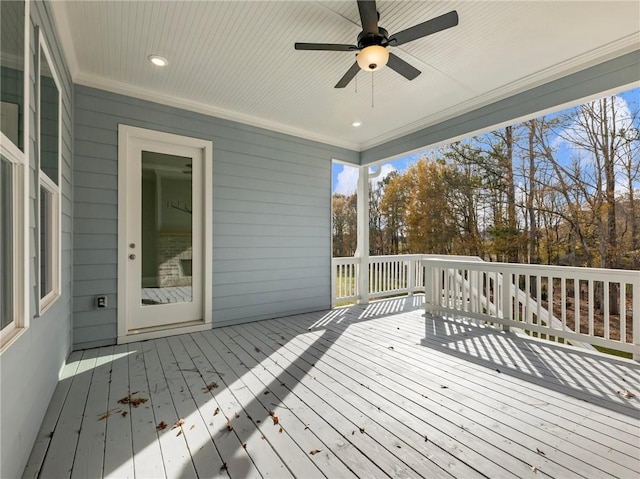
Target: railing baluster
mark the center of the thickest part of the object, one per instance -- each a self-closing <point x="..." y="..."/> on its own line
<point x="563" y="301"/>
<point x="576" y="302"/>
<point x="606" y="308"/>
<point x="590" y="307"/>
<point x="622" y="326"/>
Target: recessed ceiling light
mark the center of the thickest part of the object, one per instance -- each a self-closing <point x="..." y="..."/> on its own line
<point x="356" y="124"/>
<point x="158" y="61"/>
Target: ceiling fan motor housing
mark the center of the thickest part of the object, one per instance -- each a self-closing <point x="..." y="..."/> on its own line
<point x="368" y="39"/>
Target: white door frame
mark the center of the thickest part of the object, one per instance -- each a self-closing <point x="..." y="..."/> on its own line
<point x="126" y="134"/>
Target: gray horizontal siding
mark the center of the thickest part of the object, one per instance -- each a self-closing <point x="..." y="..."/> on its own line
<point x="271" y="213"/>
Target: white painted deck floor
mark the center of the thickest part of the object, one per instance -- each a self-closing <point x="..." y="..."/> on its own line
<point x="375" y="391"/>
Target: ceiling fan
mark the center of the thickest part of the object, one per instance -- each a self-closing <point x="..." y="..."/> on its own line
<point x="373" y="42"/>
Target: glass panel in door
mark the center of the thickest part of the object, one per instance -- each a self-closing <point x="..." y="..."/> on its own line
<point x="167" y="229"/>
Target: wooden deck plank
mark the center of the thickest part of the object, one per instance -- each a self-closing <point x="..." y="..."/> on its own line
<point x="478" y="414"/>
<point x="205" y="457"/>
<point x="205" y="373"/>
<point x="296" y="440"/>
<point x="318" y="428"/>
<point x="605" y="452"/>
<point x="399" y="418"/>
<point x="388" y="327"/>
<point x="118" y="452"/>
<point x="257" y="409"/>
<point x="36" y="458"/>
<point x="39" y="450"/>
<point x="562" y="399"/>
<point x="352" y="449"/>
<point x="281" y="364"/>
<point x="147" y="455"/>
<point x="468" y="381"/>
<point x="89" y="457"/>
<point x="62" y="450"/>
<point x="240" y="415"/>
<point x="176" y="456"/>
<point x="325" y="375"/>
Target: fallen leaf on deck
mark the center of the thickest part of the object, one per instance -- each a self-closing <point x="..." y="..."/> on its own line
<point x="390" y="347"/>
<point x="229" y="425"/>
<point x="237" y="415"/>
<point x="209" y="387"/>
<point x="306" y="427"/>
<point x="124" y="413"/>
<point x="534" y="469"/>
<point x="280" y="430"/>
<point x="192" y="426"/>
<point x="398" y="446"/>
<point x="223" y="467"/>
<point x="179" y="432"/>
<point x="263" y="437"/>
<point x="266" y="392"/>
<point x="315" y="451"/>
<point x="178" y="423"/>
<point x="258" y="421"/>
<point x="497" y="370"/>
<point x="425" y="396"/>
<point x="257" y="349"/>
<point x="135" y="402"/>
<point x="104" y="416"/>
<point x="626" y="394"/>
<point x="361" y="430"/>
<point x="353" y="432"/>
<point x="444" y="387"/>
<point x="426" y="439"/>
<point x="216" y="412"/>
<point x="244" y="445"/>
<point x="540" y="452"/>
<point x="275" y="418"/>
<point x="162" y="425"/>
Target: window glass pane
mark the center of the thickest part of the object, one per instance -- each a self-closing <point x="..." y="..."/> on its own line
<point x="167" y="226"/>
<point x="12" y="70"/>
<point x="6" y="242"/>
<point x="49" y="107"/>
<point x="46" y="250"/>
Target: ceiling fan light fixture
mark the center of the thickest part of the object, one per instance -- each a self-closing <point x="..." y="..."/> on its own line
<point x="373" y="58"/>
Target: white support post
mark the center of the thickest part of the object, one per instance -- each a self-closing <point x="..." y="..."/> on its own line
<point x="362" y="250"/>
<point x="635" y="316"/>
<point x="411" y="274"/>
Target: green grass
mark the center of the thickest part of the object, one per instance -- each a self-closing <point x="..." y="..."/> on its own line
<point x="614" y="352"/>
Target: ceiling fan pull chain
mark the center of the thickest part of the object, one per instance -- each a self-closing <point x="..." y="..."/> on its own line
<point x="371" y="89"/>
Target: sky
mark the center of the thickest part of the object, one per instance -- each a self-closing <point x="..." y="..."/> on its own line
<point x="345" y="178"/>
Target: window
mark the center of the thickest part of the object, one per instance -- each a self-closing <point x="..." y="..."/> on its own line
<point x="49" y="192"/>
<point x="14" y="133"/>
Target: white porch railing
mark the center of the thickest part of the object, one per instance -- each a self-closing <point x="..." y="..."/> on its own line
<point x="388" y="276"/>
<point x="586" y="306"/>
<point x="581" y="305"/>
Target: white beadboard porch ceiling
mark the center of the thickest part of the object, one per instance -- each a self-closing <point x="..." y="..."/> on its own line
<point x="235" y="59"/>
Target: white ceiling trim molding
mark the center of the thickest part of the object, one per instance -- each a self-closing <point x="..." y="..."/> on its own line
<point x="176" y="102"/>
<point x="576" y="64"/>
<point x="61" y="21"/>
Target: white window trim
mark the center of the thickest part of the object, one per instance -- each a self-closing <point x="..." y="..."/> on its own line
<point x="55" y="248"/>
<point x="20" y="160"/>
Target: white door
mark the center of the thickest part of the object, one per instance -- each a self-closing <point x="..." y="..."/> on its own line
<point x="162" y="234"/>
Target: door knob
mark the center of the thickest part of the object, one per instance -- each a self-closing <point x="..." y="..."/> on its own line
<point x="132" y="256"/>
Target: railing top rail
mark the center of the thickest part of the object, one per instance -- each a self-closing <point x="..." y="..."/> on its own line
<point x="568" y="271"/>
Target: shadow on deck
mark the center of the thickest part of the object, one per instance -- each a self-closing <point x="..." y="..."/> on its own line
<point x="363" y="391"/>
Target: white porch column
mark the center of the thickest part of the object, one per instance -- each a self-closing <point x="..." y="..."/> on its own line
<point x="362" y="249"/>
